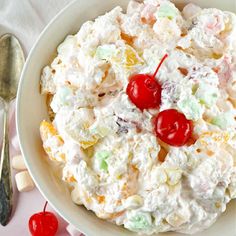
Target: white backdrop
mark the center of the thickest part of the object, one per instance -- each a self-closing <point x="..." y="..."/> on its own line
<point x="27" y="18"/>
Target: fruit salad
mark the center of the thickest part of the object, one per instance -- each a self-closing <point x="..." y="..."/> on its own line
<point x="142" y="108"/>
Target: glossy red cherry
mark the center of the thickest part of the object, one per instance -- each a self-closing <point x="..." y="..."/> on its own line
<point x="173" y="128"/>
<point x="144" y="90"/>
<point x="43" y="223"/>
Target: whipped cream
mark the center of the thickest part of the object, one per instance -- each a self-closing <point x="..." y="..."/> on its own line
<point x="108" y="153"/>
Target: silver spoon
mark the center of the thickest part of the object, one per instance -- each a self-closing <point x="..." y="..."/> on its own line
<point x="11" y="64"/>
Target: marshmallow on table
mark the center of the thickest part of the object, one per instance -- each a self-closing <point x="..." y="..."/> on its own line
<point x="15" y="143"/>
<point x="24" y="181"/>
<point x="18" y="163"/>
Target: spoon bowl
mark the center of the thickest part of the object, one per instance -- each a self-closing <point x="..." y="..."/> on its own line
<point x="11" y="64"/>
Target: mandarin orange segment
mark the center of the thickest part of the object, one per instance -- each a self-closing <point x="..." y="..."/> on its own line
<point x="127" y="38"/>
<point x="101" y="198"/>
<point x="47" y="130"/>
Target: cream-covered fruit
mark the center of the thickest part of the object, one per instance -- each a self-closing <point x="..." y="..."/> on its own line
<point x="107" y="148"/>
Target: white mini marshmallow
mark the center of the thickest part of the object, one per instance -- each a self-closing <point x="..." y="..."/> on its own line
<point x="24" y="181"/>
<point x="15" y="143"/>
<point x="18" y="163"/>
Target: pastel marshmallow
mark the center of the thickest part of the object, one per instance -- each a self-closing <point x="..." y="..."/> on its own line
<point x="15" y="143"/>
<point x="18" y="163"/>
<point x="24" y="181"/>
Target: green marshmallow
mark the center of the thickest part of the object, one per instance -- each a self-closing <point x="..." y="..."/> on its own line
<point x="140" y="221"/>
<point x="61" y="97"/>
<point x="191" y="108"/>
<point x="105" y="52"/>
<point x="63" y="93"/>
<point x="168" y="11"/>
<point x="224" y="120"/>
<point x="207" y="94"/>
<point x="102" y="157"/>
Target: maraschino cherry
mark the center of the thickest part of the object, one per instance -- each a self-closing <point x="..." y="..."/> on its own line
<point x="173" y="128"/>
<point x="43" y="223"/>
<point x="144" y="90"/>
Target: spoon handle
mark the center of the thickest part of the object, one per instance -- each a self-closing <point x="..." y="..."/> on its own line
<point x="5" y="176"/>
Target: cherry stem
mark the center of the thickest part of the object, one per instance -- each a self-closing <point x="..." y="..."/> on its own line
<point x="45" y="206"/>
<point x="162" y="60"/>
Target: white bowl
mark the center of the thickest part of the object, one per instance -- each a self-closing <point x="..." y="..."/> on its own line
<point x="31" y="110"/>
